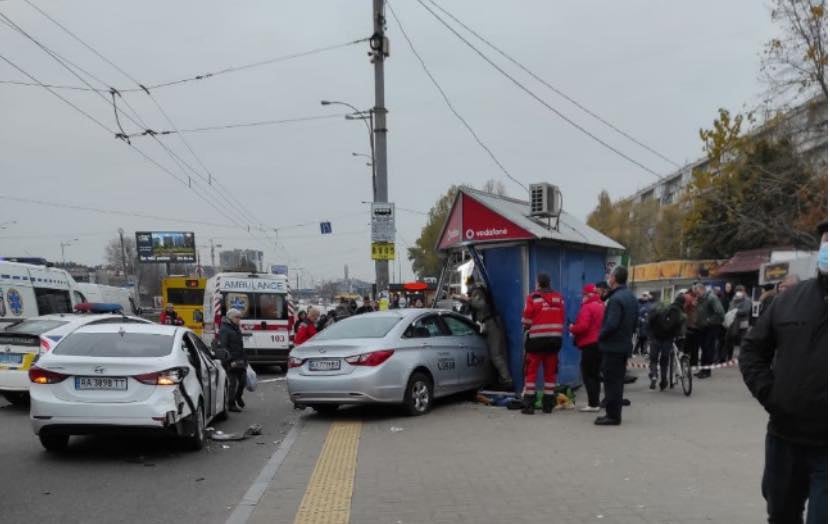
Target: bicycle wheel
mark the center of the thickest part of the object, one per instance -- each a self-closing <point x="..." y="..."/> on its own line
<point x="686" y="375"/>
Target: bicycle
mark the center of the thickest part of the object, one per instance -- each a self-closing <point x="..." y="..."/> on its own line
<point x="680" y="369"/>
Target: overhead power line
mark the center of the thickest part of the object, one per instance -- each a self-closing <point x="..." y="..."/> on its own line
<point x="450" y="104"/>
<point x="553" y="88"/>
<point x="55" y="57"/>
<point x="149" y="132"/>
<point x="77" y="207"/>
<point x="225" y="194"/>
<point x="537" y="97"/>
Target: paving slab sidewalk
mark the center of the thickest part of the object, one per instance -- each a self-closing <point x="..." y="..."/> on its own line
<point x="674" y="460"/>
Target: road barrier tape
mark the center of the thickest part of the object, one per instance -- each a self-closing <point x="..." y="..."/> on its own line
<point x="639" y="364"/>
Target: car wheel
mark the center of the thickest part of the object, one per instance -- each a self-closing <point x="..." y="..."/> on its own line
<point x="325" y="409"/>
<point x="54" y="442"/>
<point x="17" y="398"/>
<point x="418" y="398"/>
<point x="196" y="441"/>
<point x="223" y="415"/>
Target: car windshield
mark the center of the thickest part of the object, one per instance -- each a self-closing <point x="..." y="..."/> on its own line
<point x="35" y="327"/>
<point x="115" y="345"/>
<point x="359" y="327"/>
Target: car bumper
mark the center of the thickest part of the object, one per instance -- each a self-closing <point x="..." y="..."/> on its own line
<point x="14" y="380"/>
<point x="49" y="413"/>
<point x="267" y="356"/>
<point x="363" y="386"/>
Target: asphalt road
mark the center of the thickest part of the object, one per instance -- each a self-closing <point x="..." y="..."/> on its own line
<point x="119" y="479"/>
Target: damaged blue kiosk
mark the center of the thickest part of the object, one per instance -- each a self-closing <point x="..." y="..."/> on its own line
<point x="506" y="242"/>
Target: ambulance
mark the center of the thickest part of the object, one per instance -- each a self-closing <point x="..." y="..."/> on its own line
<point x="30" y="290"/>
<point x="267" y="313"/>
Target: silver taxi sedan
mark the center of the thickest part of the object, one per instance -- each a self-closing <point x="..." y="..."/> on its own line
<point x="405" y="356"/>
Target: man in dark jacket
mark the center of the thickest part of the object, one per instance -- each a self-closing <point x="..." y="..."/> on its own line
<point x="665" y="325"/>
<point x="230" y="338"/>
<point x="784" y="364"/>
<point x="710" y="322"/>
<point x="615" y="339"/>
<point x="483" y="313"/>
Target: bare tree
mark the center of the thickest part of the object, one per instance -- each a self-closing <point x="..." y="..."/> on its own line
<point x="113" y="256"/>
<point x="495" y="186"/>
<point x="797" y="61"/>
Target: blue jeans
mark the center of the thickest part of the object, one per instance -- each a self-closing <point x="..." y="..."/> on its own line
<point x="795" y="474"/>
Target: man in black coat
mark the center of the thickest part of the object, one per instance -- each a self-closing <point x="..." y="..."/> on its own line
<point x="784" y="364"/>
<point x="230" y="338"/>
<point x="615" y="338"/>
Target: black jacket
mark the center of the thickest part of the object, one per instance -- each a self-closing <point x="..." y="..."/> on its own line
<point x="666" y="323"/>
<point x="784" y="363"/>
<point x="619" y="322"/>
<point x="230" y="338"/>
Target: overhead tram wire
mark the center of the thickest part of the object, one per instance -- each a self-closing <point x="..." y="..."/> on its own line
<point x="239" y="125"/>
<point x="203" y="76"/>
<point x="554" y="88"/>
<point x="226" y="194"/>
<point x="537" y="97"/>
<point x="48" y="51"/>
<point x="76" y="207"/>
<point x="449" y="103"/>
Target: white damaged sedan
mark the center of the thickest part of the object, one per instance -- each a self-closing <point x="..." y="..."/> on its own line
<point x="126" y="377"/>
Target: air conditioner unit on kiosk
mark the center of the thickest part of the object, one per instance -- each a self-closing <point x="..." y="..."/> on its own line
<point x="545" y="200"/>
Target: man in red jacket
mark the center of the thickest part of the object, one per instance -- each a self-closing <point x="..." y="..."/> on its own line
<point x="586" y="335"/>
<point x="543" y="320"/>
<point x="308" y="327"/>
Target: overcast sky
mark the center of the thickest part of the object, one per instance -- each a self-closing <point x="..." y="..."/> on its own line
<point x="659" y="70"/>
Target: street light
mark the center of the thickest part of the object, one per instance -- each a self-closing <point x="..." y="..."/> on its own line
<point x="64" y="245"/>
<point x="368" y="118"/>
<point x="370" y="163"/>
<point x="5" y="225"/>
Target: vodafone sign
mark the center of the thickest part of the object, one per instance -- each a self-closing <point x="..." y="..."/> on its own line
<point x="472" y="221"/>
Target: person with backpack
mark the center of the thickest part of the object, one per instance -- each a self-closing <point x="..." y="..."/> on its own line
<point x="665" y="323"/>
<point x="543" y="320"/>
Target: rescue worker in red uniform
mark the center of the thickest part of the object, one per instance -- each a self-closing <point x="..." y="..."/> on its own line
<point x="543" y="321"/>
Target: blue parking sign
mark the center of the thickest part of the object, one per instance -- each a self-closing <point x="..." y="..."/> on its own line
<point x="325" y="228"/>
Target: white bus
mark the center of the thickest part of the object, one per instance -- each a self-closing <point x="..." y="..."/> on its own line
<point x="267" y="313"/>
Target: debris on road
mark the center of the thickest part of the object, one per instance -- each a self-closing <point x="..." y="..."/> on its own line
<point x="253" y="430"/>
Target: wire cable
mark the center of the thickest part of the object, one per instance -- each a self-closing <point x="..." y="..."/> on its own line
<point x="53" y="55"/>
<point x="537" y="97"/>
<point x="237" y="126"/>
<point x="449" y="103"/>
<point x="53" y="86"/>
<point x="226" y="195"/>
<point x="77" y="207"/>
<point x="553" y="88"/>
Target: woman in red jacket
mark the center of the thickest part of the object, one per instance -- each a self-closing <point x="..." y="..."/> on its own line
<point x="308" y="327"/>
<point x="586" y="335"/>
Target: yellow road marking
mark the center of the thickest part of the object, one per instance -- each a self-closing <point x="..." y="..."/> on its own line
<point x="328" y="497"/>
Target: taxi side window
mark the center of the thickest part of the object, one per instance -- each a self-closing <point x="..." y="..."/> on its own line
<point x="458" y="327"/>
<point x="429" y="326"/>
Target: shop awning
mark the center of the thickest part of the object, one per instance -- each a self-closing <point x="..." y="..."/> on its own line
<point x="745" y="261"/>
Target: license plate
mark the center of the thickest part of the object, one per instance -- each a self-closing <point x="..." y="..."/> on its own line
<point x="102" y="383"/>
<point x="324" y="365"/>
<point x="11" y="358"/>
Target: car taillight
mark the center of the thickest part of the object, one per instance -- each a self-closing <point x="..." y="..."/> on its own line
<point x="375" y="358"/>
<point x="294" y="362"/>
<point x="44" y="376"/>
<point x="168" y="377"/>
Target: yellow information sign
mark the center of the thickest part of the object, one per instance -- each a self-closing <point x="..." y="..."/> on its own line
<point x="383" y="251"/>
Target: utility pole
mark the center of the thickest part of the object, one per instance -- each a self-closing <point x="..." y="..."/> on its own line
<point x="379" y="51"/>
<point x="123" y="253"/>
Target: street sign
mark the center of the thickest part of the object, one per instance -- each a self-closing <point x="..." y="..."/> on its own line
<point x="325" y="228"/>
<point x="279" y="269"/>
<point x="383" y="222"/>
<point x="383" y="251"/>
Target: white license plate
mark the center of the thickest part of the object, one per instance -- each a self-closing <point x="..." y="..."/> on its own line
<point x="324" y="365"/>
<point x="104" y="383"/>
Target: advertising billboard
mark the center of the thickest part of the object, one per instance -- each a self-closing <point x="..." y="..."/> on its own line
<point x="177" y="247"/>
